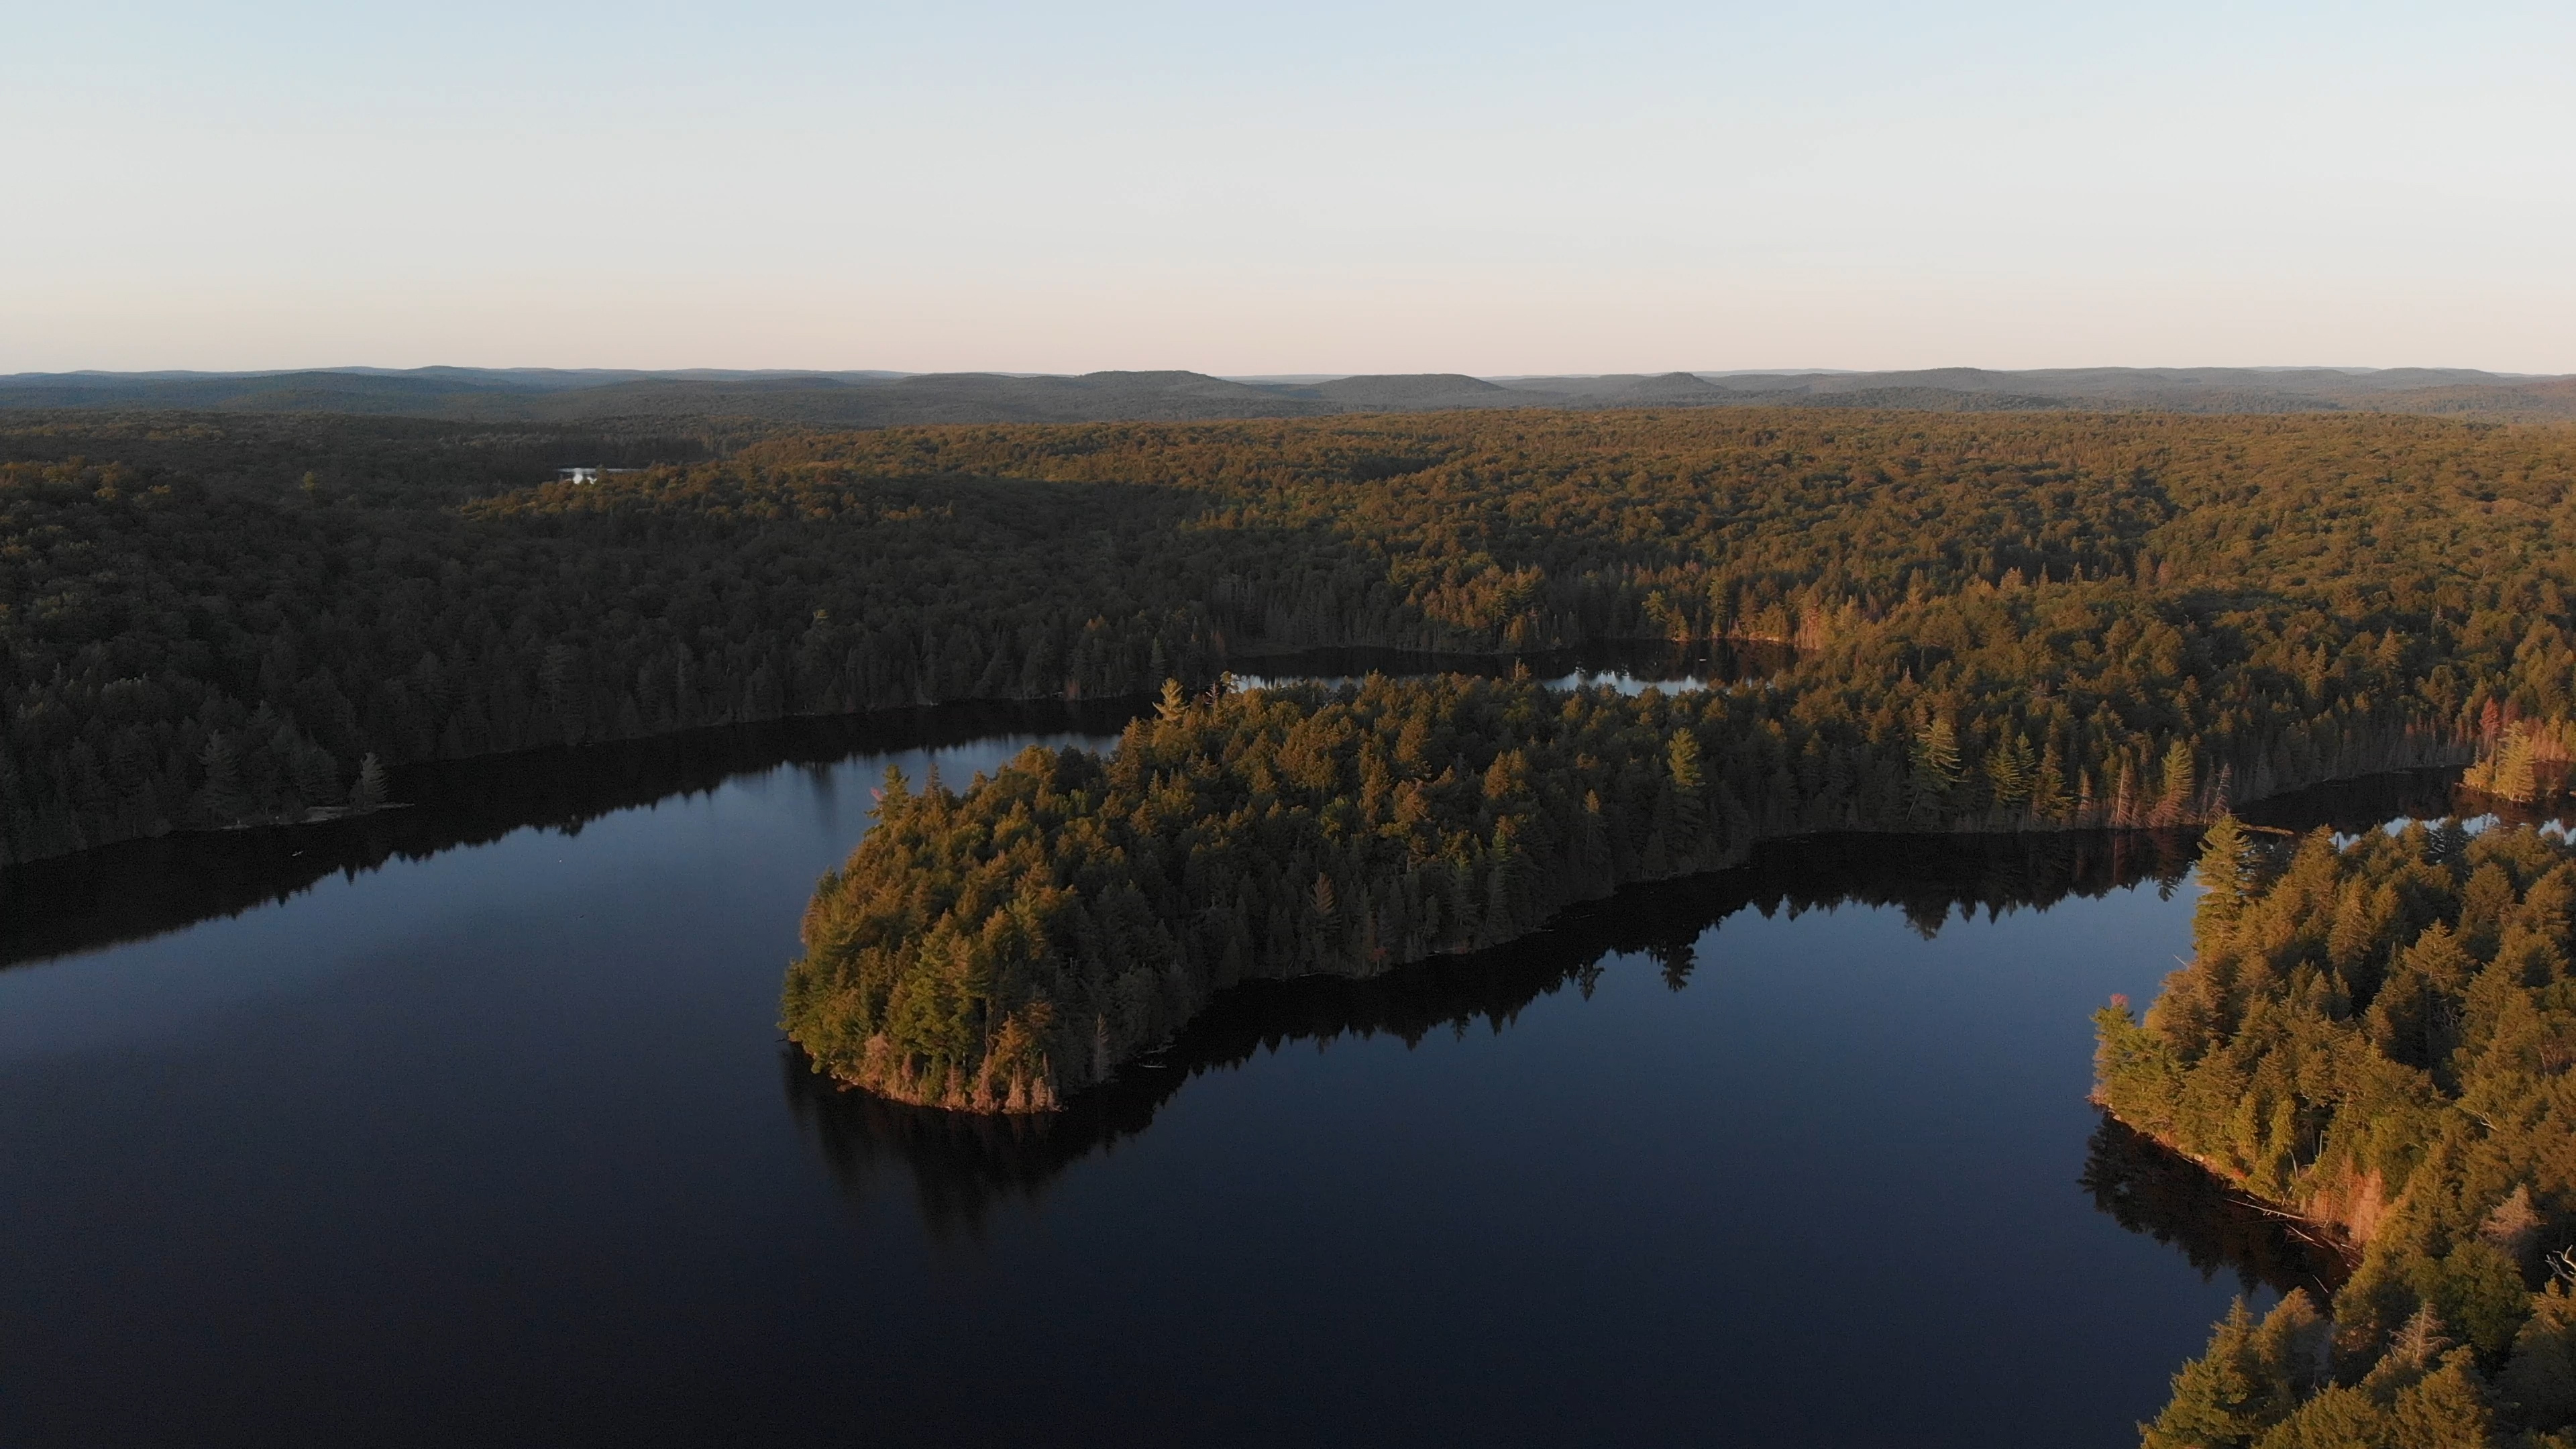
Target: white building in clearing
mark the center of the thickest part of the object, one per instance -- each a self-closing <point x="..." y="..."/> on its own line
<point x="588" y="475"/>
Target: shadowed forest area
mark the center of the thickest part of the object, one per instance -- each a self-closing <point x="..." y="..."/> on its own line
<point x="214" y="620"/>
<point x="137" y="889"/>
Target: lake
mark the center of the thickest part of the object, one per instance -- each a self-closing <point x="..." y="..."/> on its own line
<point x="471" y="1124"/>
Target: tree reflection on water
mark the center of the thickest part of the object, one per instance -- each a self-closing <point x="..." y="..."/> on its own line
<point x="961" y="1166"/>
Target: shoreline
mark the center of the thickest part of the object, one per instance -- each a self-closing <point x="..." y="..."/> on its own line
<point x="2341" y="1239"/>
<point x="1001" y="1103"/>
<point x="883" y="713"/>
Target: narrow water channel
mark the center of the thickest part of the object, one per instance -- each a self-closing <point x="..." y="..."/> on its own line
<point x="469" y="1132"/>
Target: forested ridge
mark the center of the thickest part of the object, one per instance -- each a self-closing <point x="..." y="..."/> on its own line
<point x="212" y="621"/>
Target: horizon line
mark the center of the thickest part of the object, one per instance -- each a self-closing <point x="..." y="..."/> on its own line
<point x="367" y="369"/>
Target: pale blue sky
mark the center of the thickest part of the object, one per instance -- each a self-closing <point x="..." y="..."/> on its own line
<point x="1494" y="188"/>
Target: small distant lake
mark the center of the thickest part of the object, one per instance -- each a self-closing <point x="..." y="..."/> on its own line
<point x="1629" y="666"/>
<point x="471" y="1124"/>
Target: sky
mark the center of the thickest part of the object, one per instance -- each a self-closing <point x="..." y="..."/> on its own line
<point x="1318" y="188"/>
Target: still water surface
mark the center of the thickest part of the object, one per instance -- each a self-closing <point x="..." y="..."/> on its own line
<point x="496" y="1142"/>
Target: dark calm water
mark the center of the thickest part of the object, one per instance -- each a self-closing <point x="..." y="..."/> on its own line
<point x="489" y="1138"/>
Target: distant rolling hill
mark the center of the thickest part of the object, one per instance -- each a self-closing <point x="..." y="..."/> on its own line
<point x="871" y="399"/>
<point x="425" y="393"/>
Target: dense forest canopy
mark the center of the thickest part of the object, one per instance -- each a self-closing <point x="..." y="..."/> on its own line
<point x="2378" y="1033"/>
<point x="1000" y="949"/>
<point x="212" y="621"/>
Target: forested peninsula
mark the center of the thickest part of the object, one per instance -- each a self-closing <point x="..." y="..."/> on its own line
<point x="996" y="950"/>
<point x="2376" y="1036"/>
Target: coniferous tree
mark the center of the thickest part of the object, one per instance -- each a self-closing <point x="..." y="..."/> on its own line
<point x="1936" y="766"/>
<point x="2227" y="875"/>
<point x="222" y="795"/>
<point x="369" y="791"/>
<point x="2180" y="777"/>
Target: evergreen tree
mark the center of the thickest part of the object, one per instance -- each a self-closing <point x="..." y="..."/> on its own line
<point x="2011" y="768"/>
<point x="1935" y="766"/>
<point x="222" y="796"/>
<point x="2218" y="1401"/>
<point x="1683" y="759"/>
<point x="369" y="792"/>
<point x="2227" y="875"/>
<point x="2180" y="778"/>
<point x="2516" y="777"/>
<point x="2539" y="1380"/>
<point x="317" y="775"/>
